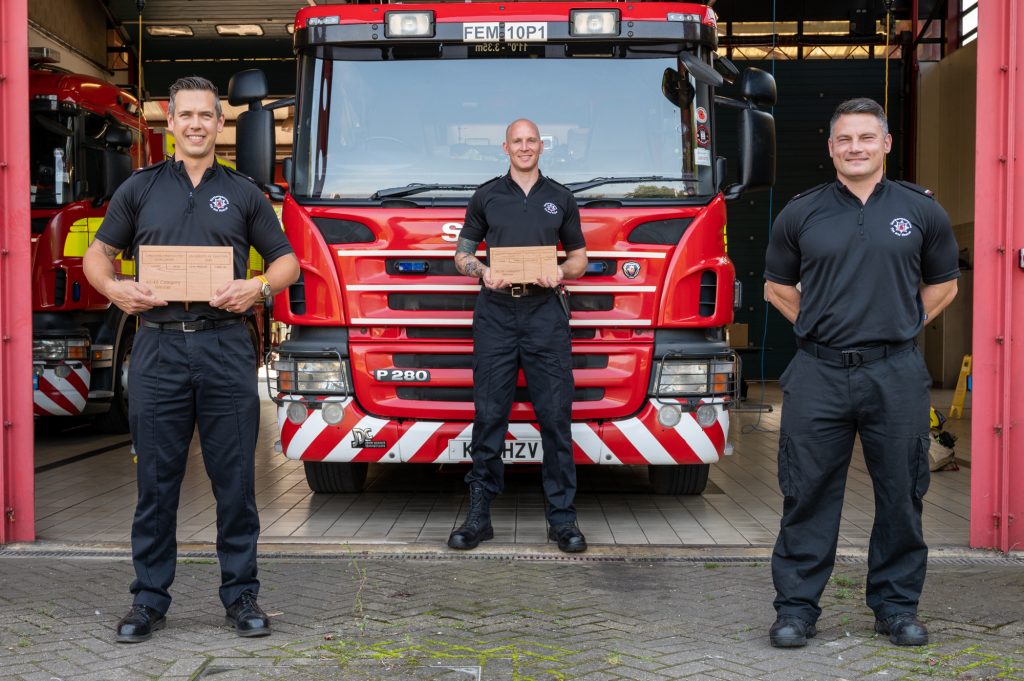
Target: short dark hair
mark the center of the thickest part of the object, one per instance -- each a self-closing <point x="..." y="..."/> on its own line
<point x="860" y="105"/>
<point x="194" y="83"/>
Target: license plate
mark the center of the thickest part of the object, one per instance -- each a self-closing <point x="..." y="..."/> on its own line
<point x="515" y="451"/>
<point x="514" y="32"/>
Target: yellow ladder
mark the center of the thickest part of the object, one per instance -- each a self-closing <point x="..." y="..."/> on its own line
<point x="960" y="393"/>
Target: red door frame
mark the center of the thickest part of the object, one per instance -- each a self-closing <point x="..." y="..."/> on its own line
<point x="997" y="480"/>
<point x="997" y="428"/>
<point x="17" y="495"/>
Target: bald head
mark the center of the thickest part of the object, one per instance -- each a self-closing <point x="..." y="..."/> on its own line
<point x="523" y="145"/>
<point x="521" y="126"/>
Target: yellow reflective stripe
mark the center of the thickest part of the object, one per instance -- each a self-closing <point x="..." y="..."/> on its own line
<point x="255" y="263"/>
<point x="80" y="235"/>
<point x="127" y="267"/>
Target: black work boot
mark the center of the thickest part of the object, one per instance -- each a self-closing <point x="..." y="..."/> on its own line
<point x="139" y="624"/>
<point x="477" y="526"/>
<point x="904" y="629"/>
<point x="247" y="617"/>
<point x="790" y="632"/>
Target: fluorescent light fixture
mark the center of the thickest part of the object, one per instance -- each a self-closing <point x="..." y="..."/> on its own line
<point x="169" y="31"/>
<point x="409" y="24"/>
<point x="240" y="29"/>
<point x="594" y="22"/>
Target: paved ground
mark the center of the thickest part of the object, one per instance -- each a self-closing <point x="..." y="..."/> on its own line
<point x="513" y="614"/>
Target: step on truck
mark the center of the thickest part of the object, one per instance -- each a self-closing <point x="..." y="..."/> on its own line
<point x="400" y="113"/>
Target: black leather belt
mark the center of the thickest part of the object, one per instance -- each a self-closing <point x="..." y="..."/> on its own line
<point x="520" y="290"/>
<point x="197" y="325"/>
<point x="852" y="357"/>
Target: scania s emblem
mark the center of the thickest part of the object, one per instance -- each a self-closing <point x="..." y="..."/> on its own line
<point x="631" y="268"/>
<point x="450" y="231"/>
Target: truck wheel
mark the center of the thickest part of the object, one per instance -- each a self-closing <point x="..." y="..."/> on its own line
<point x="325" y="477"/>
<point x="115" y="420"/>
<point x="686" y="479"/>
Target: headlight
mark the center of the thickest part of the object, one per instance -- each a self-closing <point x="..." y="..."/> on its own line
<point x="59" y="348"/>
<point x="683" y="379"/>
<point x="319" y="376"/>
<point x="696" y="377"/>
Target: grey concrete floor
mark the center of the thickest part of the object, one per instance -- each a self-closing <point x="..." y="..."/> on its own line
<point x="85" y="493"/>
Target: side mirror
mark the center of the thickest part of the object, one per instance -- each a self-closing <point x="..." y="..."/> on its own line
<point x="757" y="153"/>
<point x="677" y="89"/>
<point x="728" y="70"/>
<point x="254" y="129"/>
<point x="117" y="137"/>
<point x="758" y="87"/>
<point x="246" y="87"/>
<point x="721" y="170"/>
<point x="288" y="170"/>
<point x="117" y="167"/>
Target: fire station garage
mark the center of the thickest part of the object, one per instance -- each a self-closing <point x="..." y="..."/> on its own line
<point x="670" y="455"/>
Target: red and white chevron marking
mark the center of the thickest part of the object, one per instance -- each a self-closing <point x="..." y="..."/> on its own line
<point x="636" y="440"/>
<point x="62" y="396"/>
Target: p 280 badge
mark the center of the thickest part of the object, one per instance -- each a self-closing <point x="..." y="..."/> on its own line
<point x="402" y="375"/>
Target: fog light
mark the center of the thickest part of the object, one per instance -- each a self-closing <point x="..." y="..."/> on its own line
<point x="409" y="24"/>
<point x="297" y="412"/>
<point x="594" y="22"/>
<point x="670" y="415"/>
<point x="62" y="371"/>
<point x="332" y="413"/>
<point x="706" y="415"/>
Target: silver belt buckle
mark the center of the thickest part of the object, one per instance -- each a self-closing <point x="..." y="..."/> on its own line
<point x="185" y="328"/>
<point x="516" y="290"/>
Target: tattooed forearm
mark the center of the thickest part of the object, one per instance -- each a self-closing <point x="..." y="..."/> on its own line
<point x="466" y="246"/>
<point x="465" y="258"/>
<point x="110" y="251"/>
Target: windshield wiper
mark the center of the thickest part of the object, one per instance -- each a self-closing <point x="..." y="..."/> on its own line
<point x="598" y="181"/>
<point x="418" y="188"/>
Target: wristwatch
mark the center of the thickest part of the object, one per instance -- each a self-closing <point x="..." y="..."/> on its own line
<point x="265" y="290"/>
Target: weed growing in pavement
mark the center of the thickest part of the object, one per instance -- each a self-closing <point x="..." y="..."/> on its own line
<point x="712" y="566"/>
<point x="842" y="594"/>
<point x="196" y="561"/>
<point x="844" y="581"/>
<point x="357" y="601"/>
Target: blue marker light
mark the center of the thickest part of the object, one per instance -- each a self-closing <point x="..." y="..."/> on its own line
<point x="412" y="266"/>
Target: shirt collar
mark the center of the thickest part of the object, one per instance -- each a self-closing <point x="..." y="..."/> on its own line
<point x="843" y="189"/>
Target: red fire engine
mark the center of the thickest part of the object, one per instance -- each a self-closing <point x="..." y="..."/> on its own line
<point x="85" y="138"/>
<point x="400" y="114"/>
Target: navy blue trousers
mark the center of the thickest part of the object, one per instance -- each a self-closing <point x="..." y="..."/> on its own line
<point x="824" y="407"/>
<point x="178" y="381"/>
<point x="531" y="333"/>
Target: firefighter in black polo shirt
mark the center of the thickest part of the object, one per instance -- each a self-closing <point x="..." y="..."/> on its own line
<point x="524" y="327"/>
<point x="874" y="259"/>
<point x="192" y="364"/>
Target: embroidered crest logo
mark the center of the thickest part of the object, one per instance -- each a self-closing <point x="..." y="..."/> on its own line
<point x="551" y="208"/>
<point x="219" y="203"/>
<point x="901" y="227"/>
<point x="631" y="269"/>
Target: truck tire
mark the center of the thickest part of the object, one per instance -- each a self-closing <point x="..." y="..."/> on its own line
<point x="325" y="477"/>
<point x="115" y="420"/>
<point x="687" y="479"/>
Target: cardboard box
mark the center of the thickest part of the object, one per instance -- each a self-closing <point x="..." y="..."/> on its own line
<point x="185" y="273"/>
<point x="523" y="264"/>
<point x="737" y="334"/>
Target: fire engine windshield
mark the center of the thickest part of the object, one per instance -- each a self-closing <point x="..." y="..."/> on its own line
<point x="618" y="129"/>
<point x="51" y="159"/>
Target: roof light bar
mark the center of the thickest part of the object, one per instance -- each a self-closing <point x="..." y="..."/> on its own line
<point x="239" y="29"/>
<point x="409" y="24"/>
<point x="679" y="16"/>
<point x="594" y="22"/>
<point x="323" y="21"/>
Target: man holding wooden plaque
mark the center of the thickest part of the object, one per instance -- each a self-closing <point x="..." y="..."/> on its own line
<point x="189" y="224"/>
<point x="521" y="321"/>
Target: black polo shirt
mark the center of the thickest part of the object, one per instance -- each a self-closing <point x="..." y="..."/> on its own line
<point x="502" y="215"/>
<point x="860" y="266"/>
<point x="158" y="205"/>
